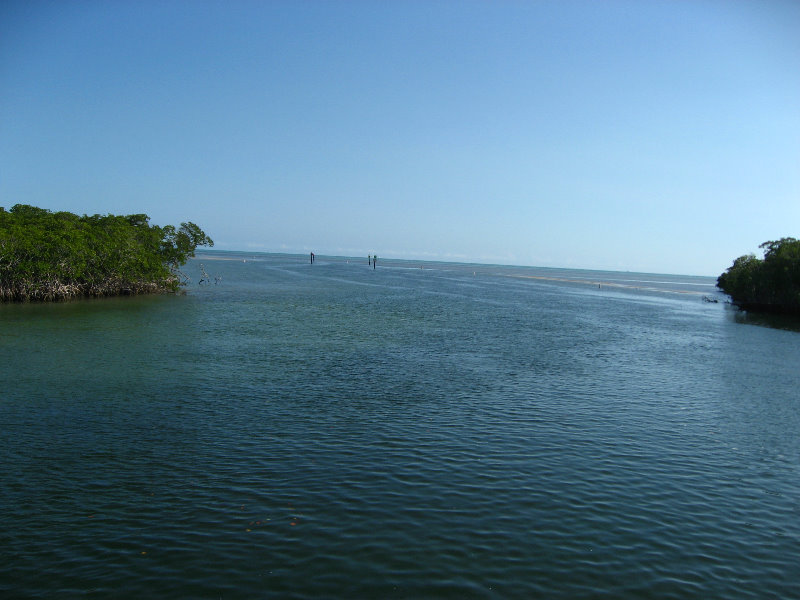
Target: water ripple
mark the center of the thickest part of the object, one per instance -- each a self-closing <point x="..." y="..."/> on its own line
<point x="335" y="434"/>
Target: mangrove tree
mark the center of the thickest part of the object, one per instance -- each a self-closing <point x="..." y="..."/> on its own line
<point x="48" y="255"/>
<point x="771" y="284"/>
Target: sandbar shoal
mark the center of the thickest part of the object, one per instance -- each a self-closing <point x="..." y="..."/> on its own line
<point x="608" y="284"/>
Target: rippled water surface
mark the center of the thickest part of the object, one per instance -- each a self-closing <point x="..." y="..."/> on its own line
<point x="452" y="431"/>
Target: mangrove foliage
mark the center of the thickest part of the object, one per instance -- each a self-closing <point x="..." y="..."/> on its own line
<point x="48" y="255"/>
<point x="771" y="284"/>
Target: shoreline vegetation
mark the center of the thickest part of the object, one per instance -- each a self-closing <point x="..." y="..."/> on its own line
<point x="51" y="256"/>
<point x="768" y="285"/>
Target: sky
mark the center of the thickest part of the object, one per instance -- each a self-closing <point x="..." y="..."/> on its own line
<point x="650" y="136"/>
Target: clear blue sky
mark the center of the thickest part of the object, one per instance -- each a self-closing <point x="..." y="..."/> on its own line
<point x="629" y="135"/>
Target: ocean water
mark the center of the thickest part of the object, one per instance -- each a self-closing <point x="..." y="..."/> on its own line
<point x="419" y="430"/>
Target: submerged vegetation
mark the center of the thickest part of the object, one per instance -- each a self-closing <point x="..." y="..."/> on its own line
<point x="771" y="284"/>
<point x="48" y="255"/>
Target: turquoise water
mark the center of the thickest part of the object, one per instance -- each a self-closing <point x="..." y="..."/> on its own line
<point x="452" y="431"/>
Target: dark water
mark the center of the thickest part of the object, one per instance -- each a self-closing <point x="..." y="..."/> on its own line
<point x="455" y="431"/>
